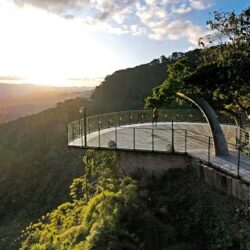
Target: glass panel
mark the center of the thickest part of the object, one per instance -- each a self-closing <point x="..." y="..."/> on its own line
<point x="162" y="140"/>
<point x="143" y="139"/>
<point x="179" y="140"/>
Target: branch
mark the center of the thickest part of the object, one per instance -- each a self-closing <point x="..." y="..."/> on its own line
<point x="239" y="104"/>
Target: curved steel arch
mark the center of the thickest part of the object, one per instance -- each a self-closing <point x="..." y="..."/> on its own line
<point x="220" y="144"/>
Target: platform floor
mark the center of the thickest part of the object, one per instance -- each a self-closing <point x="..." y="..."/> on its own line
<point x="159" y="138"/>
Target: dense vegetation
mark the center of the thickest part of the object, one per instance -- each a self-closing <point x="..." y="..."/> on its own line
<point x="36" y="167"/>
<point x="126" y="89"/>
<point x="111" y="211"/>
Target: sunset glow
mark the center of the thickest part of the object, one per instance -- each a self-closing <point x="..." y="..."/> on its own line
<point x="46" y="49"/>
<point x="49" y="41"/>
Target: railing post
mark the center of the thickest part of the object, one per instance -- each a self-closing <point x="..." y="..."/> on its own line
<point x="238" y="164"/>
<point x="98" y="120"/>
<point x="153" y="141"/>
<point x="172" y="136"/>
<point x="67" y="131"/>
<point x="185" y="141"/>
<point x="99" y="137"/>
<point x="116" y="136"/>
<point x="236" y="136"/>
<point x="209" y="144"/>
<point x="85" y="126"/>
<point x="80" y="128"/>
<point x="73" y="133"/>
<point x="134" y="138"/>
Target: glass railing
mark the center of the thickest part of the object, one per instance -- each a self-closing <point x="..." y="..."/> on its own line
<point x="133" y="130"/>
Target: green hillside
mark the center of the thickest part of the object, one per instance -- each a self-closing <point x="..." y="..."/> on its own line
<point x="111" y="211"/>
<point x="126" y="89"/>
<point x="36" y="167"/>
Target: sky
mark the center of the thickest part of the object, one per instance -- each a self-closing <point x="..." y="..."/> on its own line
<point x="79" y="42"/>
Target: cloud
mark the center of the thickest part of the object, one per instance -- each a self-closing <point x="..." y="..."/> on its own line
<point x="55" y="6"/>
<point x="157" y="19"/>
<point x="200" y="4"/>
<point x="108" y="8"/>
<point x="183" y="8"/>
<point x="166" y="21"/>
<point x="176" y="30"/>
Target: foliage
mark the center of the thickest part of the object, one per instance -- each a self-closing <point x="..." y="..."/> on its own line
<point x="126" y="89"/>
<point x="36" y="166"/>
<point x="221" y="74"/>
<point x="176" y="211"/>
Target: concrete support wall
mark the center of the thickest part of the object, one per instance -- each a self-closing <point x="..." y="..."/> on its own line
<point x="158" y="163"/>
<point x="223" y="182"/>
<point x="151" y="163"/>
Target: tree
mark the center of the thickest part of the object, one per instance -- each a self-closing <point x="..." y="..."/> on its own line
<point x="232" y="59"/>
<point x="221" y="74"/>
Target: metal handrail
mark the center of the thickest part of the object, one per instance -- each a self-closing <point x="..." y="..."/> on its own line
<point x="102" y="121"/>
<point x="112" y="121"/>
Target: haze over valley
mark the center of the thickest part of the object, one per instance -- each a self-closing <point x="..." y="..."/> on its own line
<point x="18" y="100"/>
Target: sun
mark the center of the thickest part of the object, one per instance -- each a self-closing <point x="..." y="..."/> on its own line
<point x="47" y="49"/>
<point x="49" y="80"/>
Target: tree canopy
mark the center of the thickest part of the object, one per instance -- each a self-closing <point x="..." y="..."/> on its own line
<point x="112" y="211"/>
<point x="221" y="73"/>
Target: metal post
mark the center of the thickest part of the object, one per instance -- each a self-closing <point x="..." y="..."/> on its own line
<point x="153" y="146"/>
<point x="99" y="137"/>
<point x="80" y="128"/>
<point x="185" y="141"/>
<point x="73" y="133"/>
<point x="85" y="126"/>
<point x="67" y="129"/>
<point x="98" y="120"/>
<point x="209" y="144"/>
<point x="134" y="138"/>
<point x="172" y="137"/>
<point x="129" y="118"/>
<point x="115" y="136"/>
<point x="236" y="138"/>
<point x="89" y="125"/>
<point x="238" y="165"/>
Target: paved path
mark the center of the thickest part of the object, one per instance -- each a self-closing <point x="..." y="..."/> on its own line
<point x="159" y="138"/>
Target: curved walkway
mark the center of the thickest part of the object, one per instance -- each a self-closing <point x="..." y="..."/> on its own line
<point x="191" y="138"/>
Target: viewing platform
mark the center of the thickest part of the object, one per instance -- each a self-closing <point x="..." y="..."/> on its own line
<point x="177" y="132"/>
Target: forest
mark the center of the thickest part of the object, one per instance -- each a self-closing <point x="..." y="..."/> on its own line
<point x="109" y="210"/>
<point x="37" y="167"/>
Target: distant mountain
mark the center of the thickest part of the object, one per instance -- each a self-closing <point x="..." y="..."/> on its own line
<point x="10" y="90"/>
<point x="18" y="100"/>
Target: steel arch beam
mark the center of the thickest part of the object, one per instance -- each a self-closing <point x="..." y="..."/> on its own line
<point x="220" y="144"/>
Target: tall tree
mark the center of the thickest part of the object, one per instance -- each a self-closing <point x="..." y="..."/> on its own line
<point x="221" y="73"/>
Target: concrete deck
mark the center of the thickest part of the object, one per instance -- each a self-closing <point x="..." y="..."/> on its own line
<point x="146" y="137"/>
